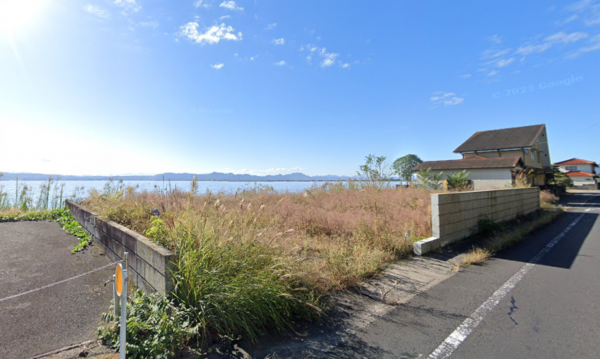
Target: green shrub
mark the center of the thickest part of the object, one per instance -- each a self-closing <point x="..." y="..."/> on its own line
<point x="488" y="227"/>
<point x="237" y="288"/>
<point x="156" y="328"/>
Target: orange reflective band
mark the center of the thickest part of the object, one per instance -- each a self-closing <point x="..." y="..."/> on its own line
<point x="119" y="279"/>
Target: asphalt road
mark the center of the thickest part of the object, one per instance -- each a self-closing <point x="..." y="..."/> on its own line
<point x="550" y="309"/>
<point x="35" y="255"/>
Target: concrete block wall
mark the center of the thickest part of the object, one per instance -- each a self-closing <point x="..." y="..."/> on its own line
<point x="455" y="216"/>
<point x="150" y="265"/>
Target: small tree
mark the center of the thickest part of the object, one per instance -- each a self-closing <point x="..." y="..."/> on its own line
<point x="403" y="166"/>
<point x="375" y="172"/>
<point x="522" y="178"/>
<point x="559" y="178"/>
<point x="430" y="180"/>
<point x="458" y="180"/>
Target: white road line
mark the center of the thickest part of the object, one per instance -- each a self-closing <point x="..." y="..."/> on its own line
<point x="461" y="333"/>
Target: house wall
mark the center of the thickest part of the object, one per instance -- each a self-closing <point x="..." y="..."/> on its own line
<point x="455" y="216"/>
<point x="583" y="168"/>
<point x="583" y="181"/>
<point x="540" y="149"/>
<point x="524" y="154"/>
<point x="150" y="265"/>
<point x="543" y="149"/>
<point x="483" y="179"/>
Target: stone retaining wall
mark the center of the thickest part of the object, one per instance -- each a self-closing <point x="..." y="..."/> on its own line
<point x="455" y="216"/>
<point x="150" y="264"/>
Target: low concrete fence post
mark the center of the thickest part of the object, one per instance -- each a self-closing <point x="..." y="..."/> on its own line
<point x="150" y="264"/>
<point x="455" y="216"/>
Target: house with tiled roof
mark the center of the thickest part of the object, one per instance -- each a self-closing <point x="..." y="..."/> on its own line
<point x="496" y="158"/>
<point x="582" y="172"/>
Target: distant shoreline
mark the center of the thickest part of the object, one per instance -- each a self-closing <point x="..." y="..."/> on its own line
<point x="170" y="176"/>
<point x="182" y="180"/>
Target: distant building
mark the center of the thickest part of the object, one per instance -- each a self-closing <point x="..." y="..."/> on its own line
<point x="495" y="158"/>
<point x="582" y="172"/>
<point x="484" y="173"/>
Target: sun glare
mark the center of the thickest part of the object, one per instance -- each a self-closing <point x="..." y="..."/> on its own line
<point x="14" y="14"/>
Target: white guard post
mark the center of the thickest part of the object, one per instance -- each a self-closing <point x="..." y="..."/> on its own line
<point x="122" y="303"/>
<point x="116" y="298"/>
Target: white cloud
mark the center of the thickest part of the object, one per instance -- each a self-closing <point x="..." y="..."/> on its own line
<point x="101" y="13"/>
<point x="279" y="63"/>
<point x="224" y="17"/>
<point x="345" y="65"/>
<point x="504" y="62"/>
<point x="527" y="50"/>
<point x="567" y="20"/>
<point x="494" y="53"/>
<point x="549" y="41"/>
<point x="252" y="58"/>
<point x="492" y="73"/>
<point x="153" y="24"/>
<point x="445" y="99"/>
<point x="212" y="35"/>
<point x="327" y="58"/>
<point x="128" y="5"/>
<point x="280" y="41"/>
<point x="593" y="46"/>
<point x="495" y="39"/>
<point x="466" y="76"/>
<point x="271" y="26"/>
<point x="588" y="11"/>
<point x="564" y="38"/>
<point x="231" y="5"/>
<point x="217" y="66"/>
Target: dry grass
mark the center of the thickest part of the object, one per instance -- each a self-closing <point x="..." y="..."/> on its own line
<point x="331" y="238"/>
<point x="474" y="256"/>
<point x="509" y="236"/>
<point x="258" y="260"/>
<point x="547" y="199"/>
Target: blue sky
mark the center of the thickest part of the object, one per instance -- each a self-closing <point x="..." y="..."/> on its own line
<point x="263" y="87"/>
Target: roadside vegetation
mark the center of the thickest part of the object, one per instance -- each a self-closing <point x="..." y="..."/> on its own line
<point x="257" y="260"/>
<point x="48" y="205"/>
<point x="501" y="236"/>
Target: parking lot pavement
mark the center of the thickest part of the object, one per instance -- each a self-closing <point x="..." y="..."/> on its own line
<point x="37" y="315"/>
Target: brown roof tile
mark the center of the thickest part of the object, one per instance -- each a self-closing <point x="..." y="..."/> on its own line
<point x="576" y="161"/>
<point x="470" y="163"/>
<point x="580" y="174"/>
<point x="505" y="138"/>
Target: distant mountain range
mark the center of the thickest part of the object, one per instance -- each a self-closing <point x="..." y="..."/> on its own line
<point x="215" y="176"/>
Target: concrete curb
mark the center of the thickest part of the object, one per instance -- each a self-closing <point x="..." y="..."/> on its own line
<point x="455" y="216"/>
<point x="150" y="264"/>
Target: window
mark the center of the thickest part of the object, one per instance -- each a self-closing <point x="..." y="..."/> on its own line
<point x="571" y="168"/>
<point x="533" y="156"/>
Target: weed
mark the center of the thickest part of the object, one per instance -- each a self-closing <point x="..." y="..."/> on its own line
<point x="501" y="237"/>
<point x="547" y="199"/>
<point x="258" y="260"/>
<point x="156" y="327"/>
<point x="488" y="227"/>
<point x="476" y="255"/>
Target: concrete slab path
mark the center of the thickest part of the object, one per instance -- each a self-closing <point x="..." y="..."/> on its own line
<point x="36" y="255"/>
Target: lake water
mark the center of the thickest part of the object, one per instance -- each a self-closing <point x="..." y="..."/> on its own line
<point x="71" y="188"/>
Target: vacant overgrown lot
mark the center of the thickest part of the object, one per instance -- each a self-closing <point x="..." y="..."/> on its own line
<point x="256" y="260"/>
